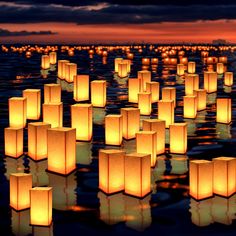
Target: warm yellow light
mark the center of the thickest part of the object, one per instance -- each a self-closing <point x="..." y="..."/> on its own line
<point x="184" y="60"/>
<point x="166" y="111"/>
<point x="144" y="76"/>
<point x="145" y="103"/>
<point x="45" y="62"/>
<point x="113" y="129"/>
<point x="180" y="69"/>
<point x="223" y="60"/>
<point x="117" y="61"/>
<point x="191" y="67"/>
<point x="52" y="93"/>
<point x="223" y="110"/>
<point x="134" y="87"/>
<point x="128" y="62"/>
<point x="191" y="83"/>
<point x="53" y="58"/>
<point x="154" y="89"/>
<point x="122" y="69"/>
<point x="154" y="61"/>
<point x="81" y="88"/>
<point x="146" y="61"/>
<point x="62" y="68"/>
<point x="201" y="95"/>
<point x="70" y="72"/>
<point x="220" y="68"/>
<point x="210" y="82"/>
<point x="190" y="106"/>
<point x="98" y="93"/>
<point x="228" y="78"/>
<point x="169" y="93"/>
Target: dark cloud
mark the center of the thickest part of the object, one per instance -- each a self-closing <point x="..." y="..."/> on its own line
<point x="6" y="33"/>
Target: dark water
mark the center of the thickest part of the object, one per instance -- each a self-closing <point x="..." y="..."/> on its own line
<point x="79" y="208"/>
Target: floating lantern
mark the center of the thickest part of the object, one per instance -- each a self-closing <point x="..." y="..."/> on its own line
<point x="191" y="67"/>
<point x="37" y="140"/>
<point x="13" y="138"/>
<point x="200" y="179"/>
<point x="41" y="206"/>
<point x="45" y="62"/>
<point x="122" y="69"/>
<point x="223" y="110"/>
<point x="20" y="185"/>
<point x="62" y="68"/>
<point x="130" y="122"/>
<point x="128" y="63"/>
<point x="223" y="60"/>
<point x="191" y="83"/>
<point x="17" y="112"/>
<point x="98" y="93"/>
<point x="82" y="121"/>
<point x="201" y="95"/>
<point x="113" y="129"/>
<point x="190" y="106"/>
<point x="117" y="61"/>
<point x="81" y="88"/>
<point x="180" y="69"/>
<point x="130" y="56"/>
<point x="111" y="170"/>
<point x="220" y="68"/>
<point x="154" y="61"/>
<point x="134" y="87"/>
<point x="137" y="174"/>
<point x="178" y="138"/>
<point x="144" y="76"/>
<point x="70" y="72"/>
<point x="169" y="93"/>
<point x="166" y="111"/>
<point x="184" y="60"/>
<point x="154" y="89"/>
<point x="212" y="60"/>
<point x="53" y="58"/>
<point x="145" y="103"/>
<point x="52" y="93"/>
<point x="228" y="78"/>
<point x="53" y="114"/>
<point x="210" y="82"/>
<point x="145" y="61"/>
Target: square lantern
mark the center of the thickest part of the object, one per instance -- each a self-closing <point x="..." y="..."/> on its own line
<point x="224" y="172"/>
<point x="13" y="138"/>
<point x="178" y="138"/>
<point x="158" y="126"/>
<point x="98" y="93"/>
<point x="144" y="76"/>
<point x="166" y="111"/>
<point x="111" y="170"/>
<point x="20" y="185"/>
<point x="45" y="62"/>
<point x="17" y="112"/>
<point x="33" y="103"/>
<point x="81" y="88"/>
<point x="146" y="142"/>
<point x="128" y="63"/>
<point x="200" y="179"/>
<point x="190" y="106"/>
<point x="137" y="174"/>
<point x="82" y="121"/>
<point x="130" y="122"/>
<point x="134" y="87"/>
<point x="70" y="72"/>
<point x="37" y="140"/>
<point x="191" y="83"/>
<point x="220" y="68"/>
<point x="183" y="60"/>
<point x="53" y="58"/>
<point x="180" y="69"/>
<point x="53" y="114"/>
<point x="146" y="61"/>
<point x="52" y="93"/>
<point x="117" y="62"/>
<point x="62" y="68"/>
<point x="210" y="82"/>
<point x="201" y="95"/>
<point x="228" y="78"/>
<point x="62" y="152"/>
<point x="169" y="93"/>
<point x="191" y="67"/>
<point x="154" y="89"/>
<point x="113" y="129"/>
<point x="41" y="206"/>
<point x="223" y="110"/>
<point x="122" y="69"/>
<point x="145" y="103"/>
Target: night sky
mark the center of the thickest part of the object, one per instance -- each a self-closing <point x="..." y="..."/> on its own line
<point x="117" y="21"/>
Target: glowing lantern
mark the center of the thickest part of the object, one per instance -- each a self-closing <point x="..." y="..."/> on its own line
<point x="169" y="93"/>
<point x="117" y="61"/>
<point x="223" y="110"/>
<point x="45" y="62"/>
<point x="224" y="171"/>
<point x="122" y="69"/>
<point x="220" y="68"/>
<point x="13" y="138"/>
<point x="200" y="179"/>
<point x="33" y="103"/>
<point x="210" y="82"/>
<point x="180" y="69"/>
<point x="113" y="129"/>
<point x="223" y="60"/>
<point x="154" y="89"/>
<point x="191" y="83"/>
<point x="137" y="174"/>
<point x="191" y="67"/>
<point x="70" y="72"/>
<point x="133" y="90"/>
<point x="173" y="61"/>
<point x="145" y="103"/>
<point x="81" y="88"/>
<point x="166" y="111"/>
<point x="128" y="63"/>
<point x="144" y="76"/>
<point x="146" y="61"/>
<point x="111" y="170"/>
<point x="130" y="56"/>
<point x="20" y="185"/>
<point x="184" y="60"/>
<point x="17" y="112"/>
<point x="228" y="78"/>
<point x="130" y="123"/>
<point x="157" y="126"/>
<point x="190" y="106"/>
<point x="52" y="93"/>
<point x="41" y="206"/>
<point x="201" y="95"/>
<point x="154" y="61"/>
<point x="62" y="68"/>
<point x="82" y="121"/>
<point x="53" y="58"/>
<point x="178" y="138"/>
<point x="53" y="114"/>
<point x="37" y="140"/>
<point x="98" y="93"/>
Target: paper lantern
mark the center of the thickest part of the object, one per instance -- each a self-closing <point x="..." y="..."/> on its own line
<point x="154" y="61"/>
<point x="210" y="82"/>
<point x="13" y="138"/>
<point x="82" y="121"/>
<point x="191" y="83"/>
<point x="53" y="58"/>
<point x="154" y="89"/>
<point x="61" y="154"/>
<point x="201" y="95"/>
<point x="70" y="72"/>
<point x="145" y="103"/>
<point x="223" y="110"/>
<point x="200" y="179"/>
<point x="144" y="76"/>
<point x="113" y="129"/>
<point x="62" y="68"/>
<point x="52" y="93"/>
<point x="166" y="111"/>
<point x="33" y="103"/>
<point x="220" y="68"/>
<point x="41" y="206"/>
<point x="146" y="61"/>
<point x="137" y="174"/>
<point x="211" y="60"/>
<point x="98" y="93"/>
<point x="45" y="62"/>
<point x="81" y="88"/>
<point x="130" y="56"/>
<point x="180" y="69"/>
<point x="190" y="106"/>
<point x="122" y="69"/>
<point x="191" y="67"/>
<point x="117" y="61"/>
<point x="173" y="61"/>
<point x="184" y="60"/>
<point x="130" y="122"/>
<point x="134" y="87"/>
<point x="128" y="63"/>
<point x="111" y="170"/>
<point x="178" y="138"/>
<point x="228" y="78"/>
<point x="37" y="140"/>
<point x="224" y="171"/>
<point x="223" y="60"/>
<point x="169" y="93"/>
<point x="20" y="185"/>
<point x="17" y="112"/>
<point x="53" y="114"/>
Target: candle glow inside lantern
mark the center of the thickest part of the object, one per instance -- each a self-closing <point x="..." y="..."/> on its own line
<point x="13" y="138"/>
<point x="169" y="93"/>
<point x="200" y="179"/>
<point x="191" y="83"/>
<point x="98" y="93"/>
<point x="146" y="142"/>
<point x="111" y="170"/>
<point x="146" y="61"/>
<point x="37" y="140"/>
<point x="117" y="61"/>
<point x="144" y="76"/>
<point x="128" y="63"/>
<point x="52" y="93"/>
<point x="122" y="69"/>
<point x="180" y="69"/>
<point x="82" y="121"/>
<point x="178" y="138"/>
<point x="62" y="68"/>
<point x="137" y="174"/>
<point x="17" y="112"/>
<point x="166" y="111"/>
<point x="33" y="103"/>
<point x="145" y="103"/>
<point x="220" y="68"/>
<point x="223" y="60"/>
<point x="184" y="60"/>
<point x="201" y="95"/>
<point x="70" y="72"/>
<point x="154" y="61"/>
<point x="53" y="114"/>
<point x="154" y="89"/>
<point x="210" y="82"/>
<point x="20" y="185"/>
<point x="191" y="67"/>
<point x="134" y="87"/>
<point x="228" y="78"/>
<point x="81" y="88"/>
<point x="45" y="62"/>
<point x="113" y="129"/>
<point x="130" y="122"/>
<point x="190" y="106"/>
<point x="223" y="110"/>
<point x="41" y="206"/>
<point x="53" y="58"/>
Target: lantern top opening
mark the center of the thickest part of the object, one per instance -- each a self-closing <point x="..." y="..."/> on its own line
<point x="41" y="188"/>
<point x="64" y="129"/>
<point x="116" y="116"/>
<point x="178" y="124"/>
<point x="135" y="155"/>
<point x="82" y="105"/>
<point x="18" y="98"/>
<point x="111" y="151"/>
<point x="20" y="174"/>
<point x="223" y="159"/>
<point x="153" y="120"/>
<point x="146" y="132"/>
<point x="32" y="90"/>
<point x="201" y="162"/>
